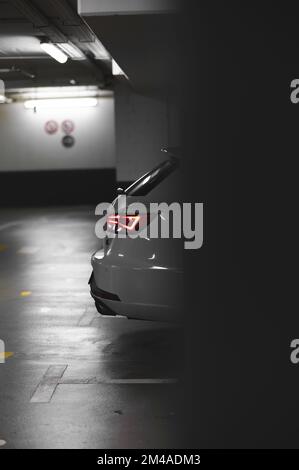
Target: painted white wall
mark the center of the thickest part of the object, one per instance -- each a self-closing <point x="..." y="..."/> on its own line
<point x="26" y="146"/>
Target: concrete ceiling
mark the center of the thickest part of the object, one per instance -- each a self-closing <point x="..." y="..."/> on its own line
<point x="142" y="36"/>
<point x="146" y="47"/>
<point x="24" y="23"/>
<point x="142" y="40"/>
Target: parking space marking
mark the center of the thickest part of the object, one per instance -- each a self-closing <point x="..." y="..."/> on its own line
<point x="6" y="355"/>
<point x="28" y="250"/>
<point x="101" y="381"/>
<point x="25" y="293"/>
<point x="48" y="384"/>
<point x="54" y="377"/>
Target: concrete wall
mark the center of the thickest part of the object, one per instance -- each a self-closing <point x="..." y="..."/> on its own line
<point x="125" y="132"/>
<point x="110" y="7"/>
<point x="25" y="145"/>
<point x="143" y="126"/>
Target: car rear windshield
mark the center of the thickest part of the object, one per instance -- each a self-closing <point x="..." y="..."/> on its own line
<point x="150" y="180"/>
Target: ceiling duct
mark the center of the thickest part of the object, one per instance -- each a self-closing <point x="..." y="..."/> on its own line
<point x="65" y="11"/>
<point x="75" y="27"/>
<point x="39" y="20"/>
<point x="69" y="28"/>
<point x="30" y="12"/>
<point x="59" y="33"/>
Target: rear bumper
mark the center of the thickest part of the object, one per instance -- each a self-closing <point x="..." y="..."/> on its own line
<point x="135" y="291"/>
<point x="100" y="296"/>
<point x="148" y="312"/>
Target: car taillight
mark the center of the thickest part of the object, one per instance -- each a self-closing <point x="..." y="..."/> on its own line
<point x="127" y="222"/>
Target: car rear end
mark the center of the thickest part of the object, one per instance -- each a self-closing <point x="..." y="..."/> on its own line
<point x="139" y="277"/>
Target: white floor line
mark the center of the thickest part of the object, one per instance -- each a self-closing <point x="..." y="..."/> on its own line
<point x="139" y="381"/>
<point x="101" y="381"/>
<point x="48" y="384"/>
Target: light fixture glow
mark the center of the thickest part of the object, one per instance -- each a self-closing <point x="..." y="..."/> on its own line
<point x="4" y="100"/>
<point x="72" y="51"/>
<point x="61" y="94"/>
<point x="54" y="52"/>
<point x="128" y="222"/>
<point x="25" y="94"/>
<point x="158" y="267"/>
<point x="116" y="70"/>
<point x="61" y="103"/>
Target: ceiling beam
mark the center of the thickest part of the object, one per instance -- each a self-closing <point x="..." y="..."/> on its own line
<point x="39" y="20"/>
<point x="54" y="33"/>
<point x="70" y="17"/>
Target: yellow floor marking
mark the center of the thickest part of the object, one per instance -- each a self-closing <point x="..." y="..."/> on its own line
<point x="25" y="293"/>
<point x="3" y="247"/>
<point x="6" y="355"/>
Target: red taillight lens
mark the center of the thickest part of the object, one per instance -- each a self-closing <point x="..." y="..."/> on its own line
<point x="128" y="222"/>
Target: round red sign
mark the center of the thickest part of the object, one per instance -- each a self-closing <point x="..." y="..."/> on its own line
<point x="51" y="127"/>
<point x="68" y="126"/>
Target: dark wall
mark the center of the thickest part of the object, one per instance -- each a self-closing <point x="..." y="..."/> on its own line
<point x="39" y="188"/>
<point x="243" y="300"/>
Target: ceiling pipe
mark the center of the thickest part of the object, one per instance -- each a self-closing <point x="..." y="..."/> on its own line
<point x="24" y="72"/>
<point x="14" y="69"/>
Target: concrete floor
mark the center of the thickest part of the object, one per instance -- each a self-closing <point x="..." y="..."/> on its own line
<point x="71" y="378"/>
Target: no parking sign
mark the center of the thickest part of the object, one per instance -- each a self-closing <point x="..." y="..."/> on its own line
<point x="68" y="126"/>
<point x="51" y="127"/>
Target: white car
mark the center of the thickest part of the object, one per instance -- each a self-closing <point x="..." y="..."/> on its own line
<point x="140" y="278"/>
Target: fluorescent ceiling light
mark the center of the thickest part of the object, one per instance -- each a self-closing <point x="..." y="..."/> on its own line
<point x="54" y="52"/>
<point x="41" y="95"/>
<point x="37" y="93"/>
<point x="61" y="103"/>
<point x="4" y="100"/>
<point x="72" y="51"/>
